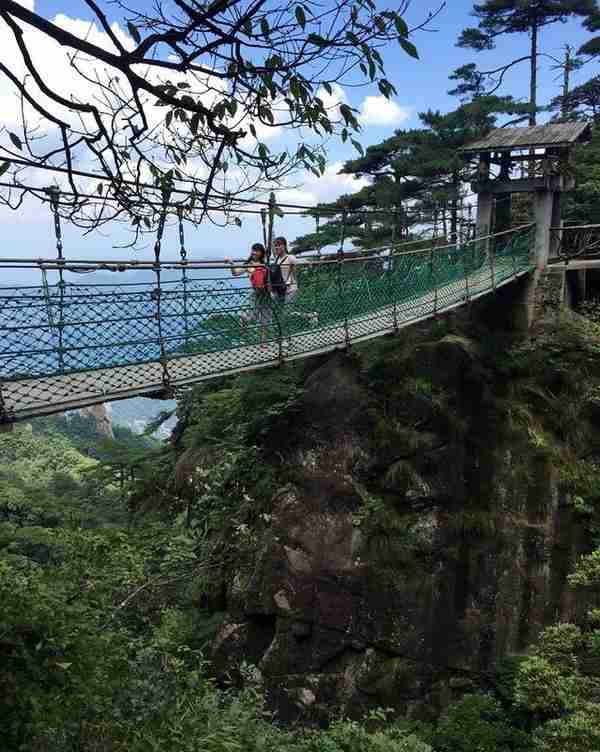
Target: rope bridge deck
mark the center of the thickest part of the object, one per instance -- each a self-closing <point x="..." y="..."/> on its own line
<point x="66" y="346"/>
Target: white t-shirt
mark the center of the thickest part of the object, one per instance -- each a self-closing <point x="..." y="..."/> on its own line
<point x="288" y="270"/>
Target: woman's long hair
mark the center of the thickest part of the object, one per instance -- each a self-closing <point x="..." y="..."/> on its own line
<point x="258" y="248"/>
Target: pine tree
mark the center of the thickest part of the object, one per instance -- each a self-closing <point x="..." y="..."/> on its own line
<point x="500" y="17"/>
<point x="417" y="172"/>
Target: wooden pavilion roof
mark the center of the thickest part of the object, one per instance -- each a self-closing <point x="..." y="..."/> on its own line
<point x="533" y="137"/>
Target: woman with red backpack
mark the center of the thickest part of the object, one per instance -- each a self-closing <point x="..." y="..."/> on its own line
<point x="261" y="310"/>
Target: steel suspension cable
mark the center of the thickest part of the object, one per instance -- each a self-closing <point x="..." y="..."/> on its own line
<point x="341" y="284"/>
<point x="54" y="199"/>
<point x="157" y="294"/>
<point x="391" y="278"/>
<point x="184" y="277"/>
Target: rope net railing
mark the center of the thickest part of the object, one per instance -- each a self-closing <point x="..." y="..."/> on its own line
<point x="66" y="344"/>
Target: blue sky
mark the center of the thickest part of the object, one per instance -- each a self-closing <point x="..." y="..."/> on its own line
<point x="421" y="84"/>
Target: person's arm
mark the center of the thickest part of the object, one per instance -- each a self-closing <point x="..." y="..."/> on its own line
<point x="235" y="271"/>
<point x="291" y="275"/>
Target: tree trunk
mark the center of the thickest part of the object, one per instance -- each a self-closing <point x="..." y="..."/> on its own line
<point x="533" y="78"/>
<point x="566" y="79"/>
<point x="454" y="209"/>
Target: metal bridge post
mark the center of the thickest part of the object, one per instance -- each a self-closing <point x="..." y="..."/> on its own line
<point x="340" y="282"/>
<point x="491" y="251"/>
<point x="512" y="253"/>
<point x="393" y="290"/>
<point x="5" y="424"/>
<point x="184" y="279"/>
<point x="54" y="199"/>
<point x="433" y="279"/>
<point x="466" y="272"/>
<point x="156" y="296"/>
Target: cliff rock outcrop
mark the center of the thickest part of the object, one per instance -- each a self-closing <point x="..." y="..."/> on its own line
<point x="423" y="526"/>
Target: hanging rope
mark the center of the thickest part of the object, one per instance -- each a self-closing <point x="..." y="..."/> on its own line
<point x="47" y="300"/>
<point x="272" y="207"/>
<point x="317" y="230"/>
<point x="263" y="219"/>
<point x="184" y="278"/>
<point x="341" y="277"/>
<point x="54" y="202"/>
<point x="391" y="278"/>
<point x="156" y="295"/>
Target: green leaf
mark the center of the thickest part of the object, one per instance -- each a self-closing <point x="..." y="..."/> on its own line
<point x="168" y="118"/>
<point x="317" y="40"/>
<point x="408" y="47"/>
<point x="134" y="32"/>
<point x="358" y="147"/>
<point x="300" y="16"/>
<point x="4" y="167"/>
<point x="16" y="140"/>
<point x="380" y="23"/>
<point x="99" y="189"/>
<point x="238" y="221"/>
<point x="264" y="27"/>
<point x="327" y="87"/>
<point x="401" y="26"/>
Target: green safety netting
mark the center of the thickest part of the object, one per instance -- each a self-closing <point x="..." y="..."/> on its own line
<point x="64" y="345"/>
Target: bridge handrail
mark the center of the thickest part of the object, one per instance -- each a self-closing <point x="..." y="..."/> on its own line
<point x="88" y="265"/>
<point x="65" y="345"/>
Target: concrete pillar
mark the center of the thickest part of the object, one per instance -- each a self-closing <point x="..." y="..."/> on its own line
<point x="547" y="214"/>
<point x="485" y="208"/>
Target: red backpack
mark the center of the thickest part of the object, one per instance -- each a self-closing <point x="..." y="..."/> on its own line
<point x="258" y="278"/>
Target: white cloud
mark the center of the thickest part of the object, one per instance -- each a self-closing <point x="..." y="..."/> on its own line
<point x="333" y="100"/>
<point x="53" y="60"/>
<point x="328" y="187"/>
<point x="379" y="111"/>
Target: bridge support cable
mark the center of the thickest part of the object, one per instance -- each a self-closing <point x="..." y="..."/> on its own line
<point x="184" y="276"/>
<point x="433" y="279"/>
<point x="157" y="296"/>
<point x="4" y="416"/>
<point x="391" y="277"/>
<point x="490" y="252"/>
<point x="341" y="280"/>
<point x="54" y="204"/>
<point x="513" y="256"/>
<point x="466" y="272"/>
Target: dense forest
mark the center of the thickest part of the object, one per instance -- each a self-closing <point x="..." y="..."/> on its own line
<point x="393" y="549"/>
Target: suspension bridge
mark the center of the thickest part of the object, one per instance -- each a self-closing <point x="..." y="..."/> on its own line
<point x="68" y="345"/>
<point x="162" y="325"/>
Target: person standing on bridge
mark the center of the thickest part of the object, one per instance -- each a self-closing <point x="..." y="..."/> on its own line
<point x="255" y="268"/>
<point x="284" y="282"/>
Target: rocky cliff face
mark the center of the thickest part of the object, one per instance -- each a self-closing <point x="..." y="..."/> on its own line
<point x="102" y="418"/>
<point x="425" y="523"/>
